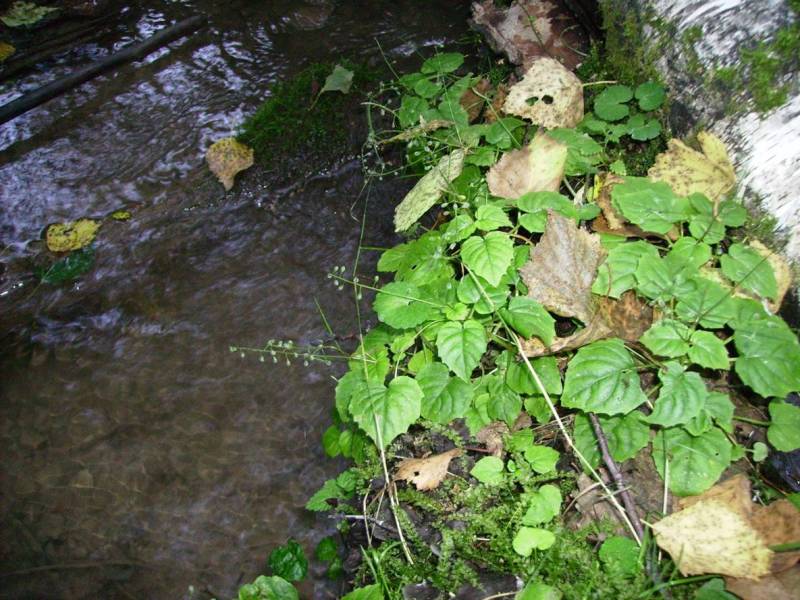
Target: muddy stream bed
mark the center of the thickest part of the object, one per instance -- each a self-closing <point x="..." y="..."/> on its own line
<point x="140" y="457"/>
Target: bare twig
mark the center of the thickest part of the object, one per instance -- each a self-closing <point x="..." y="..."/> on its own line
<point x="616" y="475"/>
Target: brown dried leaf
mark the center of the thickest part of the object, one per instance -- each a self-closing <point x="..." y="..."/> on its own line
<point x="627" y="318"/>
<point x="549" y="95"/>
<point x="712" y="537"/>
<point x="491" y="436"/>
<point x="496" y="109"/>
<point x="471" y="102"/>
<point x="781" y="586"/>
<point x="562" y="268"/>
<point x="529" y="29"/>
<point x="536" y="168"/>
<point x="226" y="158"/>
<point x="418" y="130"/>
<point x="426" y="473"/>
<point x="597" y="329"/>
<point x="687" y="171"/>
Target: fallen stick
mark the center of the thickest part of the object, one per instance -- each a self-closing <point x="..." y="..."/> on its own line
<point x="133" y="52"/>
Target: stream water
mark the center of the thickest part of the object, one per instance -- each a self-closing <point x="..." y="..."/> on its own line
<point x="140" y="458"/>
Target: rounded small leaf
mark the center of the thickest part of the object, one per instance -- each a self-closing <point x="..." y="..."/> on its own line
<point x="488" y="470"/>
<point x="529" y="539"/>
<point x="610" y="103"/>
<point x="784" y="432"/>
<point x="650" y="95"/>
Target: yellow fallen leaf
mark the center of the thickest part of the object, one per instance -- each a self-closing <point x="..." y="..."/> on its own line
<point x="549" y="95"/>
<point x="226" y="158"/>
<point x="538" y="167"/>
<point x="6" y="50"/>
<point x="687" y="171"/>
<point x="712" y="537"/>
<point x="426" y="473"/>
<point x="781" y="269"/>
<point x="427" y="191"/>
<point x="121" y="215"/>
<point x="63" y="237"/>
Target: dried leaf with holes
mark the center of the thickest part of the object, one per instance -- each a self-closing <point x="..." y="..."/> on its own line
<point x="549" y="95"/>
<point x="687" y="171"/>
<point x="426" y="473"/>
<point x="529" y="29"/>
<point x="536" y="168"/>
<point x="73" y="235"/>
<point x="226" y="158"/>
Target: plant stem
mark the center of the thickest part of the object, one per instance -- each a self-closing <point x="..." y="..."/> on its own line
<point x="752" y="421"/>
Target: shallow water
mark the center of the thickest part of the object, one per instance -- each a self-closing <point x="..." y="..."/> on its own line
<point x="140" y="457"/>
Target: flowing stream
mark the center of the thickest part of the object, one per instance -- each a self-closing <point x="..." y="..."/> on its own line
<point x="140" y="457"/>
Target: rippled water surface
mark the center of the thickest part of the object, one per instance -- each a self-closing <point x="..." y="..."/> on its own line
<point x="141" y="459"/>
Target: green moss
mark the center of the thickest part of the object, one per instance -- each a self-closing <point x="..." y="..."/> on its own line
<point x="625" y="56"/>
<point x="289" y="122"/>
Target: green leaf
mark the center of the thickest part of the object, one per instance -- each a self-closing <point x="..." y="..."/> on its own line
<point x="370" y="592"/>
<point x="330" y="490"/>
<point x="326" y="550"/>
<point x="540" y="202"/>
<point x="401" y="305"/>
<point x="478" y="414"/>
<point x="25" y="14"/>
<point x="708" y="351"/>
<point x="395" y="408"/>
<point x="503" y="132"/>
<point x="617" y="274"/>
<point x="444" y="398"/>
<point x="460" y="228"/>
<point x="720" y="408"/>
<point x="610" y="103"/>
<point x="504" y="403"/>
<point x="485" y="156"/>
<point x="529" y="539"/>
<point x="695" y="462"/>
<point x="420" y="360"/>
<point x="667" y="337"/>
<point x="289" y="561"/>
<point x="427" y="88"/>
<point x="537" y="407"/>
<point x="420" y="261"/>
<point x="784" y="431"/>
<point x="535" y="590"/>
<point x="488" y="470"/>
<point x="491" y="216"/>
<point x="544" y="504"/>
<point x="602" y="378"/>
<point x="533" y="222"/>
<point x="529" y="318"/>
<point x="340" y="80"/>
<point x="488" y="256"/>
<point x="447" y="62"/>
<point x="330" y="441"/>
<point x="650" y="95"/>
<point x="760" y="451"/>
<point x="706" y="303"/>
<point x="714" y="590"/>
<point x="652" y="205"/>
<point x="428" y="190"/>
<point x="461" y="345"/>
<point x="486" y="298"/>
<point x="620" y="555"/>
<point x="750" y="270"/>
<point x="70" y="267"/>
<point x="542" y="459"/>
<point x="681" y="398"/>
<point x="769" y="357"/>
<point x="268" y="588"/>
<point x="661" y="280"/>
<point x="583" y="153"/>
<point x="642" y="129"/>
<point x="626" y="436"/>
<point x="411" y="107"/>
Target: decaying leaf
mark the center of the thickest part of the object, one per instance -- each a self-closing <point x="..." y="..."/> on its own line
<point x="63" y="237"/>
<point x="687" y="171"/>
<point x="492" y="437"/>
<point x="562" y="268"/>
<point x="780" y="586"/>
<point x="471" y="102"/>
<point x="723" y="531"/>
<point x="6" y="50"/>
<point x="529" y="29"/>
<point x="495" y="111"/>
<point x="549" y="95"/>
<point x="427" y="191"/>
<point x="426" y="473"/>
<point x="226" y="158"/>
<point x="611" y="221"/>
<point x="627" y="318"/>
<point x="25" y="14"/>
<point x="538" y="167"/>
<point x="421" y="129"/>
<point x="711" y="537"/>
<point x="340" y="80"/>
